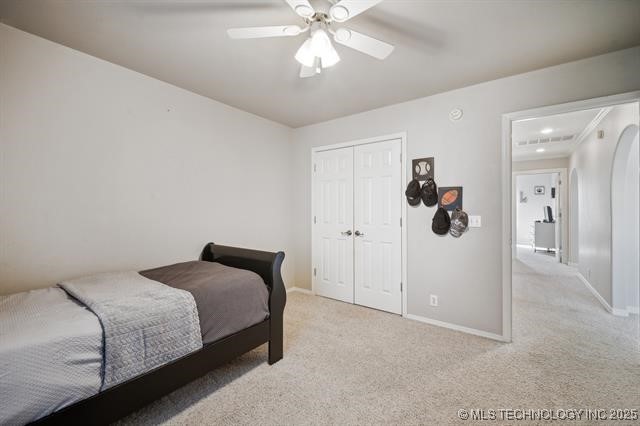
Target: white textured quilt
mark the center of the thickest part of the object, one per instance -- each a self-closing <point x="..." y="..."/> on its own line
<point x="145" y="323"/>
<point x="63" y="344"/>
<point x="50" y="354"/>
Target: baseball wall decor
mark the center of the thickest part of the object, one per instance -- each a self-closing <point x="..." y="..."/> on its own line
<point x="450" y="197"/>
<point x="423" y="168"/>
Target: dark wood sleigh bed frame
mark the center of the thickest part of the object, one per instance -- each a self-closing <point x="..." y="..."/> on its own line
<point x="125" y="398"/>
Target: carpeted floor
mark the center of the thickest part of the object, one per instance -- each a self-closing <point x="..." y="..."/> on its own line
<point x="346" y="364"/>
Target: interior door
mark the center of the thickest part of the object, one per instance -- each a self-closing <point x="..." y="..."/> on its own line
<point x="333" y="224"/>
<point x="377" y="223"/>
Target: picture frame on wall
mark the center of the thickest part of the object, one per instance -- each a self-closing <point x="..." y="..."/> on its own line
<point x="423" y="168"/>
<point x="538" y="190"/>
<point x="450" y="197"/>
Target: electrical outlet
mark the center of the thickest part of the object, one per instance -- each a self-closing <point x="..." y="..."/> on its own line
<point x="433" y="300"/>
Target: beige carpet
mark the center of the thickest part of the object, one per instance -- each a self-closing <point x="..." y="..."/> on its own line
<point x="346" y="364"/>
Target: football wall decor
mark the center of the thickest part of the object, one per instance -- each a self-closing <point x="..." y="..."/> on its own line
<point x="450" y="197"/>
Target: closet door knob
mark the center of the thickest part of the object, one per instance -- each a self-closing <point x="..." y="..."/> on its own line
<point x="347" y="233"/>
<point x="359" y="234"/>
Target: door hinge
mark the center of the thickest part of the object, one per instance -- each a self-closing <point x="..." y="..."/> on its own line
<point x="314" y="167"/>
<point x="400" y="158"/>
<point x="314" y="220"/>
<point x="314" y="272"/>
<point x="400" y="222"/>
<point x="400" y="286"/>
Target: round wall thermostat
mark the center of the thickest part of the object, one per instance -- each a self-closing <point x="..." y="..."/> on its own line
<point x="455" y="114"/>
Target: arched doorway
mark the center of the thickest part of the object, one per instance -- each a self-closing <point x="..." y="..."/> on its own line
<point x="625" y="226"/>
<point x="574" y="226"/>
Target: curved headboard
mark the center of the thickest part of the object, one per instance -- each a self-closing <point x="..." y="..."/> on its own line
<point x="266" y="264"/>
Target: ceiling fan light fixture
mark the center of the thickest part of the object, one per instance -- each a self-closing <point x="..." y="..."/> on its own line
<point x="322" y="48"/>
<point x="317" y="50"/>
<point x="330" y="58"/>
<point x="320" y="43"/>
<point x="318" y="46"/>
<point x="304" y="55"/>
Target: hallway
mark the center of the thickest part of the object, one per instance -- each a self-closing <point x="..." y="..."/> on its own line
<point x="551" y="302"/>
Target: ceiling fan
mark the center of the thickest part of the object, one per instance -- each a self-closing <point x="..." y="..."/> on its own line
<point x="317" y="52"/>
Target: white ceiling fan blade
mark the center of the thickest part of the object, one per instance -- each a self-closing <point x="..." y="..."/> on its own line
<point x="363" y="43"/>
<point x="301" y="7"/>
<point x="261" y="32"/>
<point x="347" y="9"/>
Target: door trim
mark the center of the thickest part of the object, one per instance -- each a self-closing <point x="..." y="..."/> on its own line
<point x="564" y="191"/>
<point x="403" y="211"/>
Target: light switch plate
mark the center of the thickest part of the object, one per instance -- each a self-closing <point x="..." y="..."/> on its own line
<point x="475" y="221"/>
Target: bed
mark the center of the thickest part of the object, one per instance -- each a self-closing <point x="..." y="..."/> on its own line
<point x="98" y="365"/>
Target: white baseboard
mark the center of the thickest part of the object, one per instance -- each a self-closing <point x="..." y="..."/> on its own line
<point x="572" y="264"/>
<point x="455" y="327"/>
<point x="620" y="312"/>
<point x="597" y="295"/>
<point x="633" y="310"/>
<point x="300" y="290"/>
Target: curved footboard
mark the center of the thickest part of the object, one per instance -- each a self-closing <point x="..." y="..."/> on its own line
<point x="268" y="266"/>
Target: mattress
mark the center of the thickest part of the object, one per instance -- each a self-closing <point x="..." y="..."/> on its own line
<point x="50" y="354"/>
<point x="228" y="299"/>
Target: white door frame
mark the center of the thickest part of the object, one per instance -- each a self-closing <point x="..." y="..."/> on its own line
<point x="562" y="206"/>
<point x="403" y="150"/>
<point x="507" y="120"/>
<point x="572" y="209"/>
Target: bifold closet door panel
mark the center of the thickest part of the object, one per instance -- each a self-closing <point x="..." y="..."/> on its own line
<point x="377" y="226"/>
<point x="333" y="227"/>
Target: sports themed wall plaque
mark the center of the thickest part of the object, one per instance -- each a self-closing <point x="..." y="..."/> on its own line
<point x="423" y="168"/>
<point x="450" y="197"/>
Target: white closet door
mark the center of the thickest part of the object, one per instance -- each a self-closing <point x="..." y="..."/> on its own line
<point x="377" y="234"/>
<point x="333" y="227"/>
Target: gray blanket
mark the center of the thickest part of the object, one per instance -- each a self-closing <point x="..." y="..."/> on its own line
<point x="145" y="323"/>
<point x="228" y="299"/>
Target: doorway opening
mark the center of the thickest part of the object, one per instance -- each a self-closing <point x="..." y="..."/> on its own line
<point x="538" y="204"/>
<point x="594" y="143"/>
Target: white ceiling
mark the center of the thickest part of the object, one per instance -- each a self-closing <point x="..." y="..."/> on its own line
<point x="440" y="45"/>
<point x="566" y="129"/>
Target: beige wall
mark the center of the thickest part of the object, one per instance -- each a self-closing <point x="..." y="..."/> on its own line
<point x="102" y="168"/>
<point x="465" y="273"/>
<point x="549" y="163"/>
<point x="593" y="161"/>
